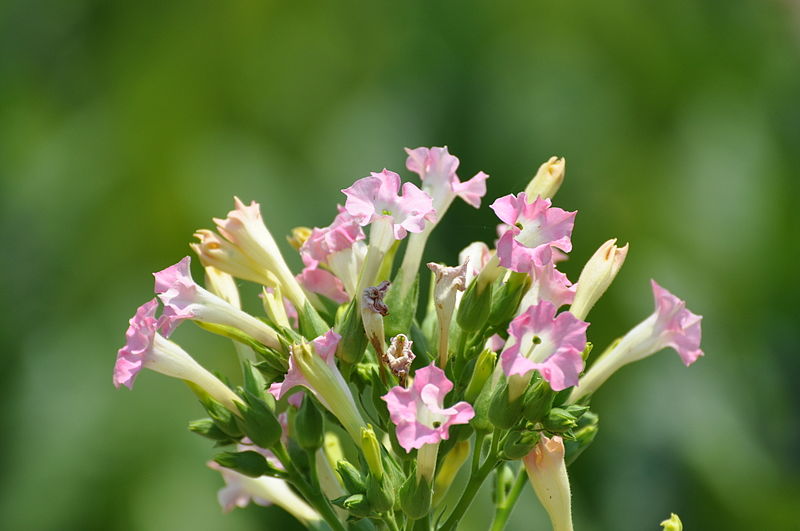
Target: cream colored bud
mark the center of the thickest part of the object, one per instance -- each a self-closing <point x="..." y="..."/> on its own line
<point x="547" y="180"/>
<point x="673" y="523"/>
<point x="597" y="275"/>
<point x="548" y="475"/>
<point x="298" y="237"/>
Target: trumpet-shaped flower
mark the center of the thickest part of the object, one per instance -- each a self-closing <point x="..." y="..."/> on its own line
<point x="340" y="235"/>
<point x="378" y="197"/>
<point x="597" y="275"/>
<point x="533" y="229"/>
<point x="146" y="348"/>
<point x="547" y="472"/>
<point x="671" y="325"/>
<point x="548" y="343"/>
<point x="437" y="169"/>
<point x="317" y="280"/>
<point x="313" y="366"/>
<point x="419" y="412"/>
<point x="184" y="299"/>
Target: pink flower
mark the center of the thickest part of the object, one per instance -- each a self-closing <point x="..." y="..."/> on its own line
<point x="533" y="229"/>
<point x="476" y="255"/>
<point x="146" y="348"/>
<point x="437" y="169"/>
<point x="318" y="280"/>
<point x="184" y="299"/>
<point x="671" y="325"/>
<point x="338" y="236"/>
<point x="552" y="345"/>
<point x="495" y="343"/>
<point x="419" y="412"/>
<point x="376" y="197"/>
<point x="549" y="284"/>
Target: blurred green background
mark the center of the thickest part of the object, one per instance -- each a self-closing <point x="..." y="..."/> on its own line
<point x="124" y="126"/>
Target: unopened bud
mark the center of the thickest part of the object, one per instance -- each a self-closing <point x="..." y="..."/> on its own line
<point x="351" y="478"/>
<point x="506" y="298"/>
<point x="559" y="420"/>
<point x="415" y="497"/>
<point x="354" y="340"/>
<point x="673" y="523"/>
<point x="547" y="180"/>
<point x="309" y="429"/>
<point x="519" y="443"/>
<point x="473" y="311"/>
<point x="356" y="504"/>
<point x="538" y="401"/>
<point x="259" y="422"/>
<point x="484" y="366"/>
<point x="503" y="412"/>
<point x="251" y="464"/>
<point x="597" y="275"/>
<point x="372" y="451"/>
<point x="298" y="237"/>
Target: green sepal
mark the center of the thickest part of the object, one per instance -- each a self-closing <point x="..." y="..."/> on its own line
<point x="402" y="305"/>
<point x="251" y="464"/>
<point x="226" y="421"/>
<point x="473" y="312"/>
<point x="259" y="421"/>
<point x="253" y="380"/>
<point x="353" y="344"/>
<point x="309" y="425"/>
<point x="311" y="323"/>
<point x="538" y="400"/>
<point x="482" y="404"/>
<point x="209" y="429"/>
<point x="356" y="504"/>
<point x="271" y="356"/>
<point x="481" y="373"/>
<point x="380" y="493"/>
<point x="584" y="436"/>
<point x="519" y="443"/>
<point x="416" y="497"/>
<point x="560" y="420"/>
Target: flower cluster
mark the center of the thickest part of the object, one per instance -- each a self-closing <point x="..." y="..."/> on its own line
<point x="358" y="403"/>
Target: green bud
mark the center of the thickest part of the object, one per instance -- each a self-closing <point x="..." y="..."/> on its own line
<point x="402" y="303"/>
<point x="354" y="339"/>
<point x="482" y="405"/>
<point x="484" y="366"/>
<point x="559" y="420"/>
<point x="506" y="299"/>
<point x="587" y="350"/>
<point x="538" y="401"/>
<point x="259" y="421"/>
<point x="226" y="421"/>
<point x="311" y="324"/>
<point x="372" y="451"/>
<point x="357" y="504"/>
<point x="209" y="429"/>
<point x="308" y="425"/>
<point x="351" y="477"/>
<point x="519" y="443"/>
<point x="473" y="311"/>
<point x="502" y="413"/>
<point x="251" y="464"/>
<point x="415" y="497"/>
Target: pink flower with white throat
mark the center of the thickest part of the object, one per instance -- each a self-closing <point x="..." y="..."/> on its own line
<point x="184" y="299"/>
<point x="437" y="169"/>
<point x="533" y="229"/>
<point x="549" y="284"/>
<point x="547" y="343"/>
<point x="146" y="348"/>
<point x="378" y="197"/>
<point x="671" y="325"/>
<point x="419" y="412"/>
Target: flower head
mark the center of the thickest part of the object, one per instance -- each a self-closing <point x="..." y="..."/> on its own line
<point x="533" y="229"/>
<point x="377" y="197"/>
<point x="548" y="343"/>
<point x="437" y="169"/>
<point x="419" y="412"/>
<point x="338" y="236"/>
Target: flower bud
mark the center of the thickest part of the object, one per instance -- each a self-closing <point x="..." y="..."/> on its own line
<point x="584" y="435"/>
<point x="298" y="237"/>
<point x="448" y="469"/>
<point x="673" y="523"/>
<point x="560" y="420"/>
<point x="519" y="443"/>
<point x="538" y="401"/>
<point x="506" y="298"/>
<point x="473" y="311"/>
<point x="504" y="413"/>
<point x="356" y="504"/>
<point x="209" y="429"/>
<point x="222" y="416"/>
<point x="309" y="429"/>
<point x="416" y="497"/>
<point x="259" y="422"/>
<point x="351" y="478"/>
<point x="548" y="475"/>
<point x="354" y="339"/>
<point x="251" y="464"/>
<point x="547" y="180"/>
<point x="597" y="275"/>
<point x="372" y="451"/>
<point x="380" y="493"/>
<point x="484" y="366"/>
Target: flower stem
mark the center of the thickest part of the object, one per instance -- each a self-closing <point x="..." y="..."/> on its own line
<point x="504" y="509"/>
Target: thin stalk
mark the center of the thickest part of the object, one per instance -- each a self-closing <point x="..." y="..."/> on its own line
<point x="503" y="511"/>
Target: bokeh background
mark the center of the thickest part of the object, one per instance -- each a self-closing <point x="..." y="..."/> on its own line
<point x="124" y="126"/>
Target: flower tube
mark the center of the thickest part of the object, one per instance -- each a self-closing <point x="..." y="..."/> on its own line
<point x="671" y="325"/>
<point x="146" y="348"/>
<point x="548" y="475"/>
<point x="184" y="299"/>
<point x="597" y="275"/>
<point x="449" y="281"/>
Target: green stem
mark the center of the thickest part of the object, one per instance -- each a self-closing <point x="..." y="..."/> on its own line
<point x="312" y="495"/>
<point x="503" y="511"/>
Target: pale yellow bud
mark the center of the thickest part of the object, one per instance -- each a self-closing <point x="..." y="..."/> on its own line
<point x="673" y="523"/>
<point x="548" y="475"/>
<point x="596" y="277"/>
<point x="298" y="237"/>
<point x="547" y="180"/>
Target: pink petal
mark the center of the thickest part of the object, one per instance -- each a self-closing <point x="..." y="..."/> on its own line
<point x="138" y="343"/>
<point x="679" y="327"/>
<point x="323" y="282"/>
<point x="472" y="190"/>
